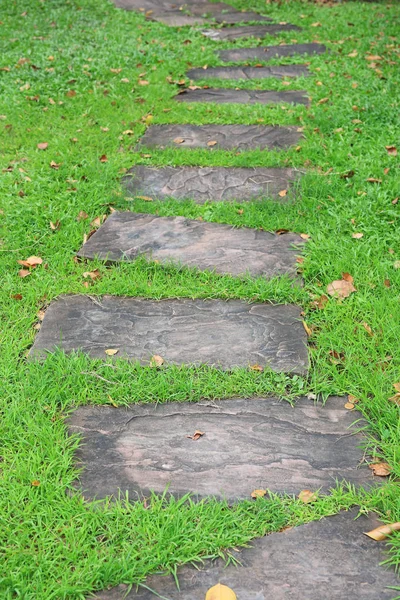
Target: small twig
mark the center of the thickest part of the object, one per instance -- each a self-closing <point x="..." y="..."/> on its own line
<point x="98" y="377"/>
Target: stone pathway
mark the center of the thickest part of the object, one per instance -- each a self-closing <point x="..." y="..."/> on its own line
<point x="243" y="444"/>
<point x="211" y="184"/>
<point x="226" y="334"/>
<point x="228" y="137"/>
<point x="330" y="559"/>
<point x="260" y="443"/>
<point x="206" y="246"/>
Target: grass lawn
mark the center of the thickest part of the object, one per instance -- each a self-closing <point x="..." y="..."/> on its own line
<point x="87" y="79"/>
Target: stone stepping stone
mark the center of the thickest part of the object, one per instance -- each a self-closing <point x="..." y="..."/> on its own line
<point x="224" y="13"/>
<point x="207" y="246"/>
<point x="234" y="73"/>
<point x="231" y="96"/>
<point x="228" y="137"/>
<point x="246" y="31"/>
<point x="265" y="53"/>
<point x="226" y="334"/>
<point x="248" y="444"/>
<point x="232" y="18"/>
<point x="330" y="559"/>
<point x="213" y="184"/>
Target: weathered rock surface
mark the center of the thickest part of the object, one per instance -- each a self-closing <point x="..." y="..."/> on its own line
<point x="264" y="54"/>
<point x="232" y="96"/>
<point x="234" y="73"/>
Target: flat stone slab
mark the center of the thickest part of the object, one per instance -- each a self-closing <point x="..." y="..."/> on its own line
<point x="233" y="17"/>
<point x="226" y="334"/>
<point x="267" y="52"/>
<point x="330" y="559"/>
<point x="247" y="444"/>
<point x="276" y="71"/>
<point x="246" y="31"/>
<point x="228" y="137"/>
<point x="223" y="96"/>
<point x="207" y="246"/>
<point x="214" y="184"/>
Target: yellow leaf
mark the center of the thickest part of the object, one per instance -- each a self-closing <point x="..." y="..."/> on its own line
<point x="381" y="533"/>
<point x="178" y="140"/>
<point x="111" y="351"/>
<point x="212" y="143"/>
<point x="307" y="496"/>
<point x="156" y="361"/>
<point x="220" y="592"/>
<point x="349" y="405"/>
<point x="282" y="193"/>
<point x="307" y="329"/>
<point x="380" y="469"/>
<point x="258" y="493"/>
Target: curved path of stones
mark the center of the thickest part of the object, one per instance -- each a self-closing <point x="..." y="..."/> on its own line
<point x="249" y="444"/>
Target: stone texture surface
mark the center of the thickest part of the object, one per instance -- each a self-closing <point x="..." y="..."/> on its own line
<point x="212" y="246"/>
<point x="330" y="559"/>
<point x="179" y="20"/>
<point x="247" y="444"/>
<point x="246" y="31"/>
<point x="268" y="52"/>
<point x="222" y="96"/>
<point x="277" y="71"/>
<point x="228" y="137"/>
<point x="232" y="17"/>
<point x="212" y="184"/>
<point x="226" y="334"/>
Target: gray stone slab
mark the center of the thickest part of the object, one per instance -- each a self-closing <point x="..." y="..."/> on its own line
<point x="248" y="444"/>
<point x="207" y="246"/>
<point x="231" y="17"/>
<point x="330" y="559"/>
<point x="231" y="96"/>
<point x="228" y="137"/>
<point x="178" y="20"/>
<point x="246" y="31"/>
<point x="226" y="334"/>
<point x="213" y="184"/>
<point x="276" y="71"/>
<point x="267" y="52"/>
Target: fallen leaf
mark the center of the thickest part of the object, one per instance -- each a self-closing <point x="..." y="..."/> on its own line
<point x="256" y="367"/>
<point x="383" y="531"/>
<point x="386" y="283"/>
<point x="220" y="592"/>
<point x="349" y="405"/>
<point x="103" y="158"/>
<point x="307" y="329"/>
<point x="55" y="165"/>
<point x="352" y="399"/>
<point x="258" y="493"/>
<point x="156" y="361"/>
<point x="143" y="82"/>
<point x="392" y="150"/>
<point x="307" y="496"/>
<point x="196" y="436"/>
<point x="17" y="296"/>
<point x="178" y="140"/>
<point x="367" y="328"/>
<point x="35" y="483"/>
<point x="340" y="288"/>
<point x="395" y="399"/>
<point x="145" y="198"/>
<point x="82" y="215"/>
<point x="396" y="264"/>
<point x="380" y="469"/>
<point x="92" y="274"/>
<point x="373" y="180"/>
<point x="397" y="386"/>
<point x="321" y="302"/>
<point x="31" y="261"/>
<point x="357" y="236"/>
<point x="373" y="57"/>
<point x="347" y="277"/>
<point x="42" y="146"/>
<point x="318" y="24"/>
<point x="124" y="80"/>
<point x="23" y="273"/>
<point x="115" y="70"/>
<point x="353" y="54"/>
<point x="323" y="101"/>
<point x="281" y="231"/>
<point x="305" y="236"/>
<point x="347" y="175"/>
<point x="111" y="351"/>
<point x="212" y="143"/>
<point x="71" y="93"/>
<point x="282" y="193"/>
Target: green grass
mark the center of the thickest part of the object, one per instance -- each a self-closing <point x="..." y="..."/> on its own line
<point x="53" y="544"/>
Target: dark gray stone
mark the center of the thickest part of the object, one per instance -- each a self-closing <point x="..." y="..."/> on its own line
<point x="247" y="444"/>
<point x="226" y="334"/>
<point x="230" y="96"/>
<point x="277" y="71"/>
<point x="213" y="184"/>
<point x="207" y="246"/>
<point x="330" y="559"/>
<point x="228" y="137"/>
<point x="179" y="20"/>
<point x="257" y="31"/>
<point x="268" y="52"/>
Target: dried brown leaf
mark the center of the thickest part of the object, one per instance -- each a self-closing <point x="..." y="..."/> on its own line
<point x="383" y="531"/>
<point x="156" y="361"/>
<point x="111" y="351"/>
<point x="258" y="493"/>
<point x="307" y="496"/>
<point x="380" y="469"/>
<point x="42" y="146"/>
<point x="220" y="592"/>
<point x="340" y="288"/>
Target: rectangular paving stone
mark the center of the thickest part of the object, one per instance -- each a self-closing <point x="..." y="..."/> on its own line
<point x="225" y="334"/>
<point x="276" y="71"/>
<point x="178" y="20"/>
<point x="330" y="559"/>
<point x="267" y="52"/>
<point x="207" y="246"/>
<point x="246" y="31"/>
<point x="231" y="17"/>
<point x="231" y="96"/>
<point x="248" y="444"/>
<point x="213" y="184"/>
<point x="228" y="137"/>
